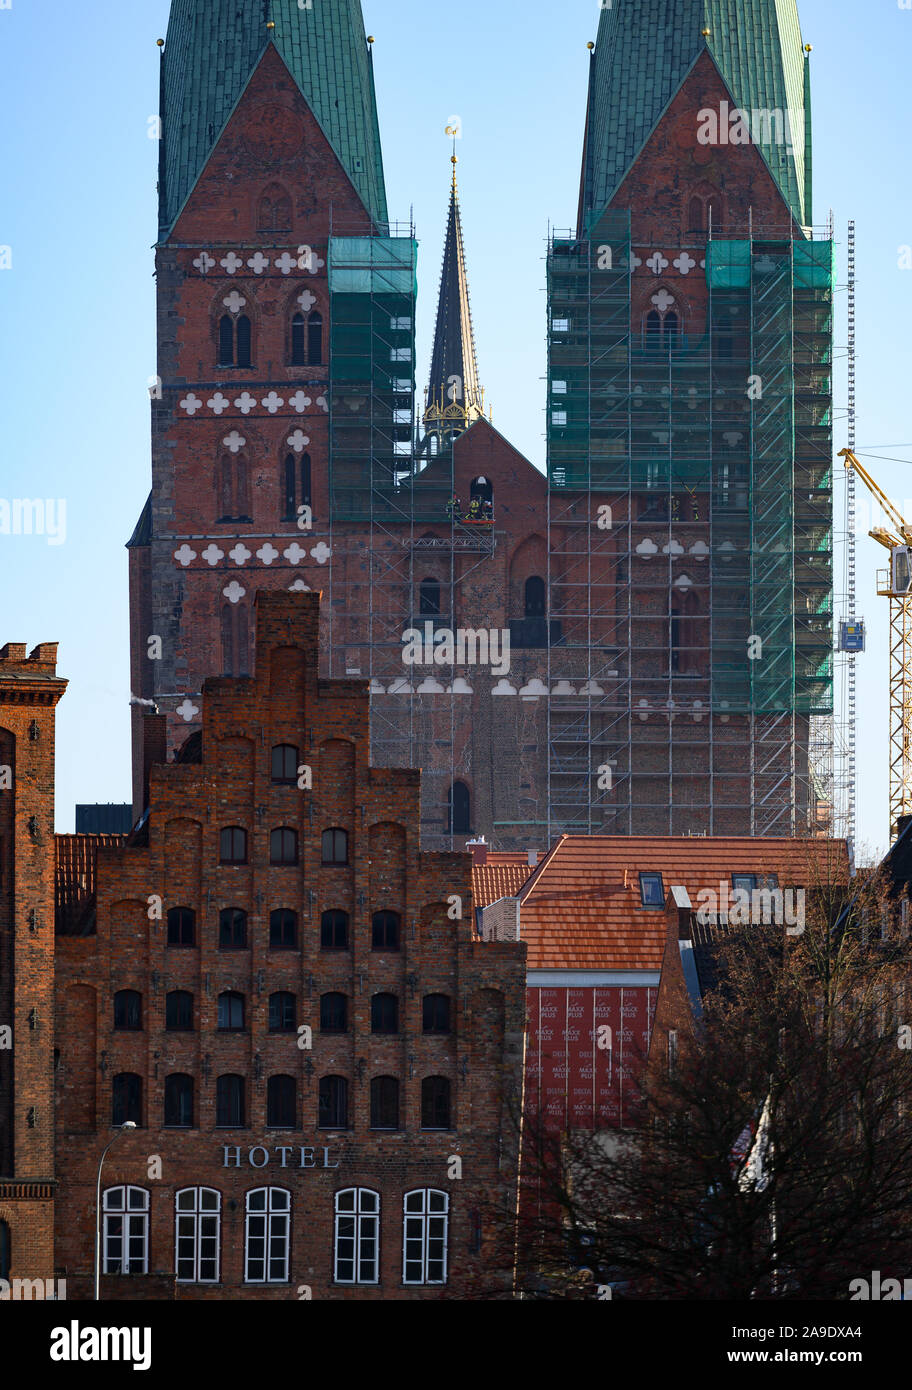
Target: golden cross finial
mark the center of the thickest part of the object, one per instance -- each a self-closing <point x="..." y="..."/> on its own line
<point x="454" y="131"/>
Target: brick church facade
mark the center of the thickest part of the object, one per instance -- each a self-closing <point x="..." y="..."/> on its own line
<point x="683" y="523"/>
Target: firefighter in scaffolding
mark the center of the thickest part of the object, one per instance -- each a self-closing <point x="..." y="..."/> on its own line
<point x="454" y="508"/>
<point x="475" y="509"/>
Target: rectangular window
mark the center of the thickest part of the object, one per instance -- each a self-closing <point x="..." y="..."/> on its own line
<point x="424" y="1237"/>
<point x="558" y="417"/>
<point x="197" y="1234"/>
<point x="744" y="882"/>
<point x="652" y="893"/>
<point x="266" y="1237"/>
<point x="560" y="325"/>
<point x="357" y="1237"/>
<point x="559" y="388"/>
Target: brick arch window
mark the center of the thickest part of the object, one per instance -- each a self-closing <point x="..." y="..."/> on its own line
<point x="283" y="929"/>
<point x="425" y="1225"/>
<point x="384" y="1102"/>
<point x="231" y="1011"/>
<point x="435" y="1013"/>
<point x="233" y="844"/>
<point x="283" y="845"/>
<point x="125" y="1231"/>
<point x="235" y="634"/>
<point x="235" y="340"/>
<point x="179" y="1011"/>
<point x="663" y="324"/>
<point x="481" y="499"/>
<point x="230" y="1107"/>
<point x="126" y="1098"/>
<point x="178" y="1101"/>
<point x="267" y="1232"/>
<point x="436" y="1107"/>
<point x="296" y="485"/>
<point x="696" y="215"/>
<point x="283" y="1013"/>
<point x="128" y="1010"/>
<point x="234" y="488"/>
<point x="333" y="1013"/>
<point x="232" y="929"/>
<point x="181" y="926"/>
<point x="332" y="1110"/>
<point x="307" y="339"/>
<point x="281" y="1102"/>
<point x="534" y="595"/>
<point x="274" y="211"/>
<point x="334" y="930"/>
<point x="334" y="846"/>
<point x="685" y="606"/>
<point x="385" y="931"/>
<point x="284" y="764"/>
<point x="384" y="1013"/>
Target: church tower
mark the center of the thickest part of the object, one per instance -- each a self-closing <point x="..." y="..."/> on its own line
<point x="272" y="236"/>
<point x="689" y="433"/>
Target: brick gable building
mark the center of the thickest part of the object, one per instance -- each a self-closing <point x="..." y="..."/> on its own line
<point x="325" y="1059"/>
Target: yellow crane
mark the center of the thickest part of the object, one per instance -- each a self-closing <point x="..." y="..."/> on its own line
<point x="895" y="584"/>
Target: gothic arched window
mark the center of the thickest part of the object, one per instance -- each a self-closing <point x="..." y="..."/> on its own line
<point x="535" y="597"/>
<point x="429" y="597"/>
<point x="315" y="339"/>
<point x="299" y="341"/>
<point x="460" y="809"/>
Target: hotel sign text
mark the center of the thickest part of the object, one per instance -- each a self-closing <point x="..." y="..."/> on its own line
<point x="260" y="1157"/>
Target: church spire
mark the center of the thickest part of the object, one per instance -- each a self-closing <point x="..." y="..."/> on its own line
<point x="454" y="398"/>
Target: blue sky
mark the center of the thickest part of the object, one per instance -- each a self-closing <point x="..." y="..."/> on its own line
<point x="78" y="84"/>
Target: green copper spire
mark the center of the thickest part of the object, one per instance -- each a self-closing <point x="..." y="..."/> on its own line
<point x="212" y="50"/>
<point x="645" y="50"/>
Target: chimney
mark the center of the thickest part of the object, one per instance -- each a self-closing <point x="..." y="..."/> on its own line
<point x="479" y="850"/>
<point x="154" y="748"/>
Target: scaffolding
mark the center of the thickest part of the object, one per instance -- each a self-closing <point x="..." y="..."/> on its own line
<point x="689" y="534"/>
<point x="390" y="523"/>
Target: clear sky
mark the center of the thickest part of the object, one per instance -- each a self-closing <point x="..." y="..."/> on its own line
<point x="78" y="84"/>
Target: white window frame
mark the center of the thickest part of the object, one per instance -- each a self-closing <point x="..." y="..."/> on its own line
<point x="365" y="1221"/>
<point x="192" y="1219"/>
<point x="134" y="1227"/>
<point x="420" y="1226"/>
<point x="270" y="1227"/>
<point x="558" y="418"/>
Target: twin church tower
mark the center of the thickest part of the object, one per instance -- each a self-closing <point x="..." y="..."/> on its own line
<point x="666" y="585"/>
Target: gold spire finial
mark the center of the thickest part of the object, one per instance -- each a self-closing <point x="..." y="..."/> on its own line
<point x="590" y="45"/>
<point x="454" y="160"/>
<point x="160" y="42"/>
<point x="270" y="24"/>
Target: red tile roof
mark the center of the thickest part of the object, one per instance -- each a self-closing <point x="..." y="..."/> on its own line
<point x="501" y="876"/>
<point x="581" y="907"/>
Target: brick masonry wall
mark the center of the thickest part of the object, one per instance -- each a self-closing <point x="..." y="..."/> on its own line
<point x="29" y="692"/>
<point x="289" y="702"/>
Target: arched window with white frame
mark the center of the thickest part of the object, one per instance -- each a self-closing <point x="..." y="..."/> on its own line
<point x="357" y="1236"/>
<point x="425" y="1231"/>
<point x="125" y="1230"/>
<point x="267" y="1236"/>
<point x="197" y="1235"/>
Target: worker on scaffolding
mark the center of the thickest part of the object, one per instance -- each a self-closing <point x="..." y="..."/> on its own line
<point x="475" y="509"/>
<point x="454" y="508"/>
<point x="487" y="509"/>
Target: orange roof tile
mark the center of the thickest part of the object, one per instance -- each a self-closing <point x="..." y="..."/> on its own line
<point x="501" y="876"/>
<point x="581" y="907"/>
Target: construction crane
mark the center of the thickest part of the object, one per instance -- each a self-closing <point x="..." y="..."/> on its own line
<point x="895" y="584"/>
